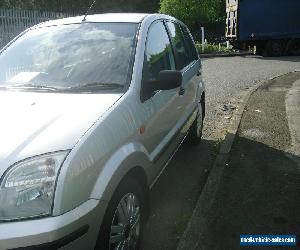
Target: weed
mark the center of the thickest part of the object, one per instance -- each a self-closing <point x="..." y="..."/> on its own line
<point x="217" y="146"/>
<point x="181" y="224"/>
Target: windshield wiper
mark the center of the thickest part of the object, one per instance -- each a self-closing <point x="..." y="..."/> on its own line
<point x="95" y="85"/>
<point x="89" y="87"/>
<point x="32" y="86"/>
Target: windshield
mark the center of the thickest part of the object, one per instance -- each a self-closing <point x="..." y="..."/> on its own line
<point x="70" y="57"/>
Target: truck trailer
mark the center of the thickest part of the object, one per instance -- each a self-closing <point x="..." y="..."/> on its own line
<point x="272" y="26"/>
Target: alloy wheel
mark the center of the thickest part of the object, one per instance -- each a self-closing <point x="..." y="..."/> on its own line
<point x="125" y="227"/>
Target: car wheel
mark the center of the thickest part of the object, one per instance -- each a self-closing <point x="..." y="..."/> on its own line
<point x="123" y="222"/>
<point x="195" y="133"/>
<point x="275" y="48"/>
<point x="294" y="47"/>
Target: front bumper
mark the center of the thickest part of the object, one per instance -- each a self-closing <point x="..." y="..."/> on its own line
<point x="76" y="229"/>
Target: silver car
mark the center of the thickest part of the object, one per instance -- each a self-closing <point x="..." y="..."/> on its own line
<point x="92" y="110"/>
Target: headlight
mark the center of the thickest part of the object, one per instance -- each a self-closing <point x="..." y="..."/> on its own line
<point x="27" y="189"/>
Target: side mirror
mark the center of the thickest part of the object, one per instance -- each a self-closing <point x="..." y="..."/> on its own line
<point x="167" y="79"/>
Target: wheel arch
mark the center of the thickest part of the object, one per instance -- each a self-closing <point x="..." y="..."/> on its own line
<point x="139" y="174"/>
<point x="135" y="165"/>
<point x="137" y="177"/>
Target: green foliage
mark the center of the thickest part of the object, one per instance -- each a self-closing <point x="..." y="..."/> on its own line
<point x="212" y="48"/>
<point x="80" y="6"/>
<point x="217" y="146"/>
<point x="26" y="4"/>
<point x="193" y="12"/>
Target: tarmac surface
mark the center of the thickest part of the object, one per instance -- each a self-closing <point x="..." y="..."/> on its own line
<point x="175" y="195"/>
<point x="259" y="192"/>
<point x="226" y="77"/>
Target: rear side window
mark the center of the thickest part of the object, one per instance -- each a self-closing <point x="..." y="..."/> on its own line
<point x="189" y="44"/>
<point x="181" y="52"/>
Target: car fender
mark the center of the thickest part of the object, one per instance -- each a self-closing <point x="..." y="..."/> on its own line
<point x="116" y="168"/>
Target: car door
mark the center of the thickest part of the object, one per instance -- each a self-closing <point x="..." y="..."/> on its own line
<point x="187" y="61"/>
<point x="164" y="107"/>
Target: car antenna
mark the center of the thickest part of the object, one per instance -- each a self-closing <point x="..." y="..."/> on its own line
<point x="88" y="11"/>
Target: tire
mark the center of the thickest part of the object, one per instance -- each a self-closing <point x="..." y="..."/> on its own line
<point x="118" y="226"/>
<point x="275" y="48"/>
<point x="294" y="47"/>
<point x="195" y="133"/>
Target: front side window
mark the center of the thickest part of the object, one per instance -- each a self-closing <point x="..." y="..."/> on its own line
<point x="193" y="54"/>
<point x="158" y="56"/>
<point x="70" y="56"/>
<point x="182" y="55"/>
<point x="158" y="53"/>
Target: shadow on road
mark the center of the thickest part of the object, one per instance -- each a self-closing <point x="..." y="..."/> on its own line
<point x="259" y="194"/>
<point x="281" y="58"/>
<point x="174" y="196"/>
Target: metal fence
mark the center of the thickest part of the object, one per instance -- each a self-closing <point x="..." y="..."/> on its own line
<point x="13" y="22"/>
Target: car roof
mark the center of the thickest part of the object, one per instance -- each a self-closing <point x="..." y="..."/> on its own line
<point x="105" y="18"/>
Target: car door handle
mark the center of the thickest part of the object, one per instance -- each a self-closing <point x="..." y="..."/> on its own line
<point x="199" y="73"/>
<point x="181" y="90"/>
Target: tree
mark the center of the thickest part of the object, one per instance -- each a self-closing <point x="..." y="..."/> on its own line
<point x="19" y="4"/>
<point x="80" y="6"/>
<point x="193" y="12"/>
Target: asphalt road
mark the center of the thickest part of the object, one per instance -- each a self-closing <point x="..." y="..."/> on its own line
<point x="259" y="189"/>
<point x="226" y="77"/>
<point x="175" y="194"/>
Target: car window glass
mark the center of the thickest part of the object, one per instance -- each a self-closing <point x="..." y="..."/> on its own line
<point x="70" y="55"/>
<point x="158" y="53"/>
<point x="182" y="56"/>
<point x="189" y="44"/>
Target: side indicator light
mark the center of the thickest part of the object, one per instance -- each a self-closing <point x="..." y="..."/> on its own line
<point x="142" y="129"/>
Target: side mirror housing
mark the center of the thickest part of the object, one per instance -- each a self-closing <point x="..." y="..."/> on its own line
<point x="167" y="79"/>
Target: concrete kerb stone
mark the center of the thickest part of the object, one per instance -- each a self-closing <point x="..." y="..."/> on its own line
<point x="225" y="54"/>
<point x="293" y="115"/>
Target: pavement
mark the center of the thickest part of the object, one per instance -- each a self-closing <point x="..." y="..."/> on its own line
<point x="293" y="114"/>
<point x="255" y="188"/>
